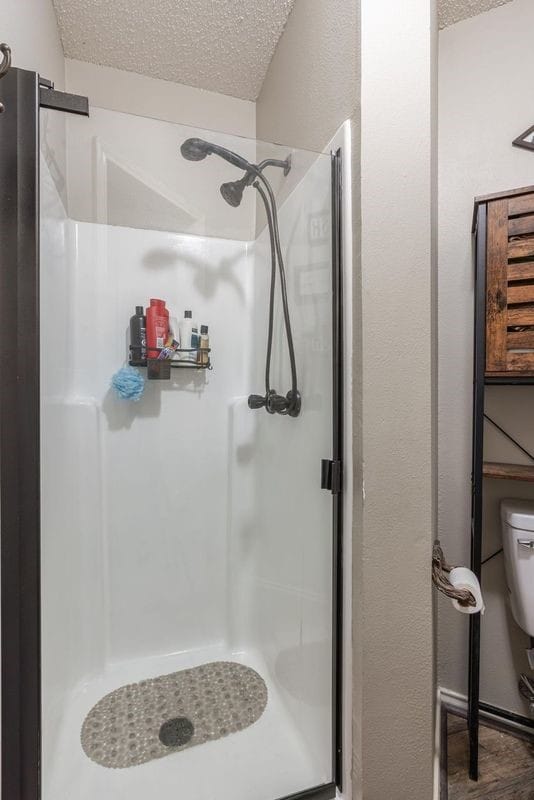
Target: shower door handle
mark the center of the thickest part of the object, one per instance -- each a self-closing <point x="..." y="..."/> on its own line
<point x="331" y="475"/>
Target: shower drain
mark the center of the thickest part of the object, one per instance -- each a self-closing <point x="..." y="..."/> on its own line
<point x="156" y="717"/>
<point x="176" y="732"/>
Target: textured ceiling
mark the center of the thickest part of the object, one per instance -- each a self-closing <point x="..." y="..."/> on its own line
<point x="451" y="11"/>
<point x="222" y="45"/>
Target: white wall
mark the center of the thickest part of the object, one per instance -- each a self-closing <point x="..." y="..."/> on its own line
<point x="484" y="86"/>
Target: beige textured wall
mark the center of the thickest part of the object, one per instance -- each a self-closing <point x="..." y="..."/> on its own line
<point x="120" y="90"/>
<point x="312" y="85"/>
<point x="482" y="109"/>
<point x="395" y="594"/>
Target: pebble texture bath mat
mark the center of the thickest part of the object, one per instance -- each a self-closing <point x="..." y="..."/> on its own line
<point x="153" y="718"/>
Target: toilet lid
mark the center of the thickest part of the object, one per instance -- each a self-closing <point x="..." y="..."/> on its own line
<point x="518" y="513"/>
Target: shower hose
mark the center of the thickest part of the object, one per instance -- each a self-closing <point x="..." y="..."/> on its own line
<point x="275" y="403"/>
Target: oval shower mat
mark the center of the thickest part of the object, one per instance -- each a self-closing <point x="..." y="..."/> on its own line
<point x="159" y="716"/>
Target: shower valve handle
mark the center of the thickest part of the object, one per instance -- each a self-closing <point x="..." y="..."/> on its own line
<point x="256" y="401"/>
<point x="277" y="403"/>
<point x="272" y="402"/>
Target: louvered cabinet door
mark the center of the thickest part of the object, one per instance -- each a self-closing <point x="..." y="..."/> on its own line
<point x="510" y="286"/>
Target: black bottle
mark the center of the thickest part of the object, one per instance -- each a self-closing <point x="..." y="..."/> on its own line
<point x="138" y="337"/>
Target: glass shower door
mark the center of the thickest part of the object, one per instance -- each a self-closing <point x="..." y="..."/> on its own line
<point x="187" y="548"/>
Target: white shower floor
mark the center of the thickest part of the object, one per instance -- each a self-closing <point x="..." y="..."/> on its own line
<point x="264" y="762"/>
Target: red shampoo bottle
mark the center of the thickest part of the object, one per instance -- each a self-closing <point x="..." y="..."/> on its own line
<point x="157" y="327"/>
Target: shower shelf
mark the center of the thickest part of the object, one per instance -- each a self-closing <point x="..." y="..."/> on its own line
<point x="509" y="472"/>
<point x="159" y="369"/>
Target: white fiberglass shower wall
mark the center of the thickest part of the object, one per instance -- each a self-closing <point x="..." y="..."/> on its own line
<point x="184" y="528"/>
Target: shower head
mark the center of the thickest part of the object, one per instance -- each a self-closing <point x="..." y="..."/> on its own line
<point x="233" y="191"/>
<point x="197" y="149"/>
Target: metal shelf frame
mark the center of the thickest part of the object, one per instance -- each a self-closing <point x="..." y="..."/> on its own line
<point x="480" y="382"/>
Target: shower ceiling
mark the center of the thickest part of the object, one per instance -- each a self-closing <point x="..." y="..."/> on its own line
<point x="221" y="45"/>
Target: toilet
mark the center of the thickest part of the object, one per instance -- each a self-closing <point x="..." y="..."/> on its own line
<point x="517" y="517"/>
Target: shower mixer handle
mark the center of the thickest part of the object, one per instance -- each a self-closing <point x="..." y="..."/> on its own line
<point x="256" y="401"/>
<point x="273" y="403"/>
<point x="276" y="403"/>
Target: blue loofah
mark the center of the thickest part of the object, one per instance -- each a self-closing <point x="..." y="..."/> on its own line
<point x="128" y="383"/>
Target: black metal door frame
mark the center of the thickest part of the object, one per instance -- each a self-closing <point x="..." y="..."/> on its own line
<point x="20" y="435"/>
<point x="23" y="93"/>
<point x="338" y="455"/>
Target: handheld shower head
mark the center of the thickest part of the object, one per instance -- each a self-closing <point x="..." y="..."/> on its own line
<point x="197" y="149"/>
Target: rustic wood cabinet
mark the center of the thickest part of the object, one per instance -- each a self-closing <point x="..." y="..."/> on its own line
<point x="510" y="283"/>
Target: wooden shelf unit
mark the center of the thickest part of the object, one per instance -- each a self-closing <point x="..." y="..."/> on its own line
<point x="503" y="228"/>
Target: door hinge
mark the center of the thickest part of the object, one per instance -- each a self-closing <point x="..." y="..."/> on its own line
<point x="331" y="475"/>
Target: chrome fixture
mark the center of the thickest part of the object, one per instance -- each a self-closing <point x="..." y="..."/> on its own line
<point x="528" y="544"/>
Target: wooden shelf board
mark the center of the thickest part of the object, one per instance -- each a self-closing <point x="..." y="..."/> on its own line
<point x="509" y="472"/>
<point x="509" y="378"/>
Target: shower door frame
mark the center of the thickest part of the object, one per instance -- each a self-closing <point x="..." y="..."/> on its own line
<point x="23" y="93"/>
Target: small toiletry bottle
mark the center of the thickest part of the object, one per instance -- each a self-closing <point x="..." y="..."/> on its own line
<point x="175" y="331"/>
<point x="138" y="336"/>
<point x="186" y="331"/>
<point x="203" y="354"/>
<point x="195" y="342"/>
<point x="157" y="327"/>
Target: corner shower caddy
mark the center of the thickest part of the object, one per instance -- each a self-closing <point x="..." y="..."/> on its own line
<point x="159" y="369"/>
<point x="503" y="231"/>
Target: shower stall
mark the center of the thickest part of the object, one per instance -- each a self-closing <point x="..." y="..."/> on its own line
<point x="171" y="563"/>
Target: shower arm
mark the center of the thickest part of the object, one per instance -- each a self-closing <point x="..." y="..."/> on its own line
<point x="251" y="174"/>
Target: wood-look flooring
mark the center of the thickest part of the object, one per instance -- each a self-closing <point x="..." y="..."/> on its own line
<point x="506" y="765"/>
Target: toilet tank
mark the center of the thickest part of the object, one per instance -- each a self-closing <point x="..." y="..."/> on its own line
<point x="517" y="517"/>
